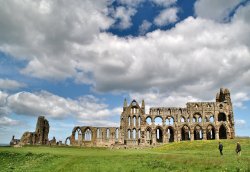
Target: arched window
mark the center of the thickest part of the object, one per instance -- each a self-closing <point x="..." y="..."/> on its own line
<point x="199" y="119"/>
<point x="222" y="132"/>
<point x="148" y="135"/>
<point x="88" y="135"/>
<point x="129" y="134"/>
<point x="139" y="134"/>
<point x="158" y="121"/>
<point x="159" y="135"/>
<point x="149" y="120"/>
<point x="170" y="135"/>
<point x="108" y="133"/>
<point x="134" y="134"/>
<point x="129" y="121"/>
<point x="210" y="132"/>
<point x="139" y="121"/>
<point x="182" y="119"/>
<point x="222" y="117"/>
<point x="194" y="120"/>
<point x="134" y="121"/>
<point x="170" y="121"/>
<point x="116" y="134"/>
<point x="211" y="119"/>
<point x="78" y="136"/>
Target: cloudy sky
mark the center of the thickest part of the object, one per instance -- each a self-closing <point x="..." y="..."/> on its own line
<point x="75" y="61"/>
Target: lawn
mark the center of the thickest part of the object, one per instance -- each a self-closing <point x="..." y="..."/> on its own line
<point x="182" y="156"/>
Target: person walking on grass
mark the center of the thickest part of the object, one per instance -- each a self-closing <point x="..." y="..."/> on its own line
<point x="221" y="148"/>
<point x="238" y="148"/>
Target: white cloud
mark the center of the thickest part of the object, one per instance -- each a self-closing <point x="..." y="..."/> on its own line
<point x="164" y="3"/>
<point x="214" y="9"/>
<point x="144" y="27"/>
<point x="166" y="17"/>
<point x="123" y="16"/>
<point x="53" y="106"/>
<point x="240" y="122"/>
<point x="42" y="32"/>
<point x="195" y="58"/>
<point x="132" y="3"/>
<point x="5" y="121"/>
<point x="7" y="84"/>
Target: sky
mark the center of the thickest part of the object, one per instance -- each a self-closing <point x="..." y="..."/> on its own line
<point x="75" y="61"/>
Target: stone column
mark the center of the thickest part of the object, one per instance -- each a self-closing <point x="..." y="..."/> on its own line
<point x="204" y="134"/>
<point x="153" y="137"/>
<point x="191" y="135"/>
<point x="216" y="135"/>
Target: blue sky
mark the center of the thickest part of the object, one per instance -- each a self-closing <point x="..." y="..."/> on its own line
<point x="76" y="61"/>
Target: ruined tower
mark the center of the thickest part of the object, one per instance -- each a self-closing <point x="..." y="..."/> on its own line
<point x="42" y="130"/>
<point x="40" y="136"/>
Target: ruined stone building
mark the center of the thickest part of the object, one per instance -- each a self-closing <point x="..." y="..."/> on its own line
<point x="40" y="136"/>
<point x="197" y="121"/>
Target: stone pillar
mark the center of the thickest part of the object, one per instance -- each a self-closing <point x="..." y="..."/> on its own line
<point x="216" y="135"/>
<point x="204" y="134"/>
<point x="153" y="137"/>
<point x="165" y="138"/>
<point x="191" y="135"/>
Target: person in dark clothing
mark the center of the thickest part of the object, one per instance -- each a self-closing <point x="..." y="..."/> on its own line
<point x="238" y="148"/>
<point x="221" y="148"/>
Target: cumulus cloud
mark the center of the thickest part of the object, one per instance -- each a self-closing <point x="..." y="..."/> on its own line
<point x="43" y="31"/>
<point x="166" y="17"/>
<point x="215" y="10"/>
<point x="4" y="110"/>
<point x="132" y="3"/>
<point x="196" y="57"/>
<point x="164" y="3"/>
<point x="5" y="121"/>
<point x="7" y="84"/>
<point x="123" y="16"/>
<point x="39" y="103"/>
<point x="144" y="27"/>
<point x="240" y="123"/>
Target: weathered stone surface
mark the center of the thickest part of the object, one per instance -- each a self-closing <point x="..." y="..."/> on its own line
<point x="197" y="121"/>
<point x="40" y="136"/>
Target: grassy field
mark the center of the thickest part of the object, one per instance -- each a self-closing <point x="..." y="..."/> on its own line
<point x="183" y="156"/>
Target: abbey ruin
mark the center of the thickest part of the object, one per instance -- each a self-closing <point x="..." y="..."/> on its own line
<point x="39" y="137"/>
<point x="197" y="121"/>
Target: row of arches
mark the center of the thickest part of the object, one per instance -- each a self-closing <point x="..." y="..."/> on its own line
<point x="196" y="118"/>
<point x="185" y="133"/>
<point x="87" y="135"/>
<point x="133" y="121"/>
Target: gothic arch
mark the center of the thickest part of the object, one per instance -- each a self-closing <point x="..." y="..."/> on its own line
<point x="147" y="120"/>
<point x="222" y="116"/>
<point x="88" y="134"/>
<point x="158" y="120"/>
<point x="185" y="132"/>
<point x="159" y="134"/>
<point x="210" y="131"/>
<point x="198" y="132"/>
<point x="170" y="120"/>
<point x="170" y="131"/>
<point x="223" y="132"/>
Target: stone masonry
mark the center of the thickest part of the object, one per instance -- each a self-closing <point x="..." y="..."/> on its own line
<point x="197" y="121"/>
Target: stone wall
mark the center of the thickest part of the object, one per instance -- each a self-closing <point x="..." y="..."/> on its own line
<point x="197" y="121"/>
<point x="40" y="136"/>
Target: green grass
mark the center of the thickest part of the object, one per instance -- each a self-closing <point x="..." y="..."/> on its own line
<point x="182" y="156"/>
